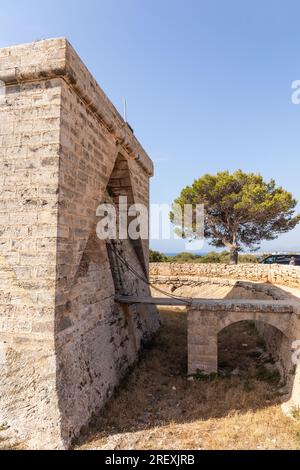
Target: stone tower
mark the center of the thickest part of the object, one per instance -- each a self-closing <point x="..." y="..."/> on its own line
<point x="64" y="342"/>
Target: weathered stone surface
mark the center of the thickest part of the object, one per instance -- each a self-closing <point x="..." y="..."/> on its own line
<point x="64" y="343"/>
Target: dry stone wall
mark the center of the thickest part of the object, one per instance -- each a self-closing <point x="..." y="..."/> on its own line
<point x="64" y="343"/>
<point x="275" y="274"/>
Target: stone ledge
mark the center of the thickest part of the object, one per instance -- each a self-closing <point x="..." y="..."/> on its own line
<point x="280" y="306"/>
<point x="190" y="280"/>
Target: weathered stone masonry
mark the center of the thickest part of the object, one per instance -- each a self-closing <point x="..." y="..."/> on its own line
<point x="64" y="149"/>
<point x="273" y="274"/>
<point x="276" y="317"/>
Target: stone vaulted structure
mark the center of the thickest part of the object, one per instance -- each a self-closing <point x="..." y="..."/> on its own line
<point x="64" y="342"/>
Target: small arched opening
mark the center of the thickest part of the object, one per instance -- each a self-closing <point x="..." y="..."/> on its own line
<point x="255" y="350"/>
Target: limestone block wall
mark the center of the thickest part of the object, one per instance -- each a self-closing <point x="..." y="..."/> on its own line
<point x="275" y="274"/>
<point x="64" y="343"/>
<point x="205" y="322"/>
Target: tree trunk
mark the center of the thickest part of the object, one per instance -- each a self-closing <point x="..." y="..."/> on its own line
<point x="234" y="255"/>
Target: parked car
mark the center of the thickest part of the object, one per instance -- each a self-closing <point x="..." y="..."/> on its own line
<point x="282" y="259"/>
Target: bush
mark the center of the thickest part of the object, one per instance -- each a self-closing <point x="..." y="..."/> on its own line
<point x="185" y="258"/>
<point x="157" y="257"/>
<point x="212" y="257"/>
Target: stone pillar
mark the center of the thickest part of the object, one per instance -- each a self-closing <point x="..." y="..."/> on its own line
<point x="202" y="341"/>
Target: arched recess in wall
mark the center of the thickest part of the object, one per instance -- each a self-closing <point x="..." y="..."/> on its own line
<point x="254" y="349"/>
<point x="120" y="184"/>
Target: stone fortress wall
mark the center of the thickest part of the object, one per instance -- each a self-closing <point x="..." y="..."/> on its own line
<point x="245" y="282"/>
<point x="64" y="342"/>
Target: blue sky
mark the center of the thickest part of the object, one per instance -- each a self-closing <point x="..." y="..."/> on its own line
<point x="208" y="83"/>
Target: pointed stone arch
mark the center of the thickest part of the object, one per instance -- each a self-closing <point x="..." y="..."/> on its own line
<point x="120" y="185"/>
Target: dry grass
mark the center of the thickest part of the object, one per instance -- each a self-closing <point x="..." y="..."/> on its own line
<point x="158" y="408"/>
